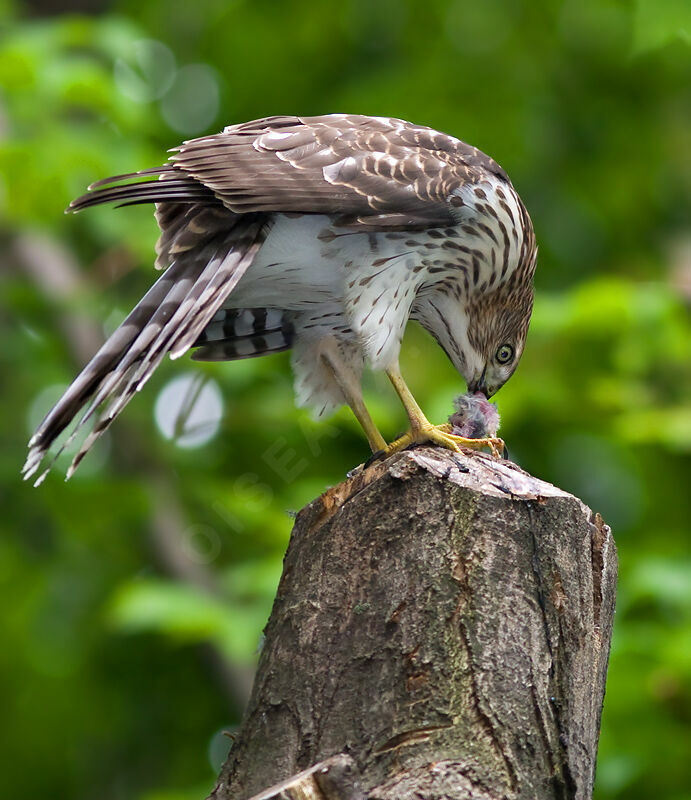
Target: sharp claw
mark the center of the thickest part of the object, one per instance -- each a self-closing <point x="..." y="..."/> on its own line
<point x="441" y="435"/>
<point x="379" y="455"/>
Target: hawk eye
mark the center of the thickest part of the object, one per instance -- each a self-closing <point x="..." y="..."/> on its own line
<point x="504" y="354"/>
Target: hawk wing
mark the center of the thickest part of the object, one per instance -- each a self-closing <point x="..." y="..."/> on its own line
<point x="168" y="319"/>
<point x="374" y="172"/>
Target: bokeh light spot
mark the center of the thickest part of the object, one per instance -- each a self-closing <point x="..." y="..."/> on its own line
<point x="189" y="410"/>
<point x="148" y="73"/>
<point x="191" y="104"/>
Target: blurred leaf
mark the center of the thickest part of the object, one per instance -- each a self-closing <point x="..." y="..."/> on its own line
<point x="186" y="614"/>
<point x="658" y="22"/>
<point x="665" y="580"/>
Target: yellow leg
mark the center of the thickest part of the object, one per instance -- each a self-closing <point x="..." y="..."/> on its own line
<point x="422" y="430"/>
<point x="353" y="396"/>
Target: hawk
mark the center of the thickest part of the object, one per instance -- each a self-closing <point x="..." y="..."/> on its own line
<point x="323" y="235"/>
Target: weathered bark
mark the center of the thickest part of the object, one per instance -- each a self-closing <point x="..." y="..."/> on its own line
<point x="445" y="620"/>
<point x="337" y="778"/>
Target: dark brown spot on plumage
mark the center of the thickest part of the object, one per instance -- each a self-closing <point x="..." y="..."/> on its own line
<point x="487" y="231"/>
<point x="508" y="210"/>
<point x="476" y="270"/>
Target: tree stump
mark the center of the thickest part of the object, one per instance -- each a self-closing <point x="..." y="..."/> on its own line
<point x="444" y="620"/>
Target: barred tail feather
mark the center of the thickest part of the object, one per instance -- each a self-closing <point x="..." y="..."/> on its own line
<point x="244" y="333"/>
<point x="87" y="382"/>
<point x="168" y="319"/>
<point x="244" y="347"/>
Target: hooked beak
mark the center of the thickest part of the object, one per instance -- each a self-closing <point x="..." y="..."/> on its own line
<point x="479" y="385"/>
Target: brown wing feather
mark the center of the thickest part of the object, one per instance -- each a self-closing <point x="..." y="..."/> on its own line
<point x="168" y="319"/>
<point x="379" y="172"/>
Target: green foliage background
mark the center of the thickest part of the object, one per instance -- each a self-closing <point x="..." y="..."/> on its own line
<point x="132" y="599"/>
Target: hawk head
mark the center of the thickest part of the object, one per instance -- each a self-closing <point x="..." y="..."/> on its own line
<point x="496" y="333"/>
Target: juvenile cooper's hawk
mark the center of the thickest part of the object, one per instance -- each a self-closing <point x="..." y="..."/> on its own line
<point x="324" y="235"/>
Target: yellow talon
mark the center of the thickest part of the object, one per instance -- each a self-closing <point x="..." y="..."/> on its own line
<point x="495" y="444"/>
<point x="441" y="435"/>
<point x="422" y="430"/>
